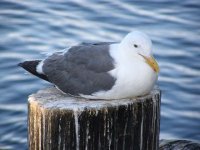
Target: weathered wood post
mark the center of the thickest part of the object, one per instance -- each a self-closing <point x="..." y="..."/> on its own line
<point x="57" y="121"/>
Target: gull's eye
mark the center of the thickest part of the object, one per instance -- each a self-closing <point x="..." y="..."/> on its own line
<point x="135" y="45"/>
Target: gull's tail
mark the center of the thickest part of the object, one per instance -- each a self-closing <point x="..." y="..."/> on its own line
<point x="31" y="66"/>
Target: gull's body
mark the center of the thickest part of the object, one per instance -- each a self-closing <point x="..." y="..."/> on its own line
<point x="102" y="70"/>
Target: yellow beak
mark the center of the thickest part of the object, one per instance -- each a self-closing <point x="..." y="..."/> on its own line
<point x="152" y="63"/>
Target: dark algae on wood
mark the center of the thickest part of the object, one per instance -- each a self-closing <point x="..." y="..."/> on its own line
<point x="57" y="121"/>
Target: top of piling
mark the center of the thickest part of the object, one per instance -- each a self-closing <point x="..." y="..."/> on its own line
<point x="51" y="98"/>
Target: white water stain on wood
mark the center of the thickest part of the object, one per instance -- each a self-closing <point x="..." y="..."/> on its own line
<point x="76" y="115"/>
<point x="110" y="139"/>
<point x="124" y="140"/>
<point x="141" y="129"/>
<point x="59" y="129"/>
<point x="43" y="126"/>
<point x="87" y="136"/>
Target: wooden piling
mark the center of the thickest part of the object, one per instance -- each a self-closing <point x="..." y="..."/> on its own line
<point x="60" y="122"/>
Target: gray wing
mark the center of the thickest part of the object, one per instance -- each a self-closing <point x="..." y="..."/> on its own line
<point x="83" y="69"/>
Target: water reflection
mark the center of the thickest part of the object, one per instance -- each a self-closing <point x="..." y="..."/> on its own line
<point x="31" y="28"/>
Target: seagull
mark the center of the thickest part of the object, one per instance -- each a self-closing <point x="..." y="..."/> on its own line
<point x="105" y="70"/>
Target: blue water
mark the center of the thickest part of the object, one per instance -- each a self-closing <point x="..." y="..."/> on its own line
<point x="29" y="29"/>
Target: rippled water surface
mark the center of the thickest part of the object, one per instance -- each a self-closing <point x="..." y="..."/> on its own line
<point x="29" y="29"/>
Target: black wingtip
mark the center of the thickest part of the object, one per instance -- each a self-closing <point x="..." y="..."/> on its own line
<point x="20" y="64"/>
<point x="31" y="66"/>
